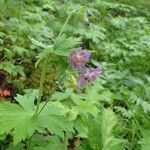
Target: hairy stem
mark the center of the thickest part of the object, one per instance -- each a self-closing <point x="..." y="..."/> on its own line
<point x="66" y="141"/>
<point x="63" y="27"/>
<point x="68" y="18"/>
<point x="41" y="84"/>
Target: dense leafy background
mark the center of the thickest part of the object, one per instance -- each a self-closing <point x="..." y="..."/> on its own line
<point x="111" y="114"/>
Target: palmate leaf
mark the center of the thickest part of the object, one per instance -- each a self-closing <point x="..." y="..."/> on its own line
<point x="81" y="107"/>
<point x="47" y="143"/>
<point x="85" y="108"/>
<point x="27" y="102"/>
<point x="63" y="45"/>
<point x="62" y="95"/>
<point x="21" y="119"/>
<point x="92" y="32"/>
<point x="52" y="118"/>
<point x="47" y="50"/>
<point x="101" y="136"/>
<point x="14" y="117"/>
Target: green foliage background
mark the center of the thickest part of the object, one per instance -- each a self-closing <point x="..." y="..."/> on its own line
<point x="113" y="113"/>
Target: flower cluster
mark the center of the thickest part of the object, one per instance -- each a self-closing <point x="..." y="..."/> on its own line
<point x="87" y="76"/>
<point x="78" y="59"/>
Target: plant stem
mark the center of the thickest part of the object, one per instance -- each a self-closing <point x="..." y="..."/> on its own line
<point x="66" y="141"/>
<point x="46" y="102"/>
<point x="29" y="143"/>
<point x="68" y="18"/>
<point x="49" y="97"/>
<point x="41" y="84"/>
<point x="63" y="27"/>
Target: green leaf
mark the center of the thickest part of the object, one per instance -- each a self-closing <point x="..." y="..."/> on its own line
<point x="42" y="56"/>
<point x="100" y="132"/>
<point x="48" y="142"/>
<point x="109" y="122"/>
<point x="26" y="102"/>
<point x="140" y="102"/>
<point x="84" y="107"/>
<point x="92" y="32"/>
<point x="11" y="68"/>
<point x="145" y="142"/>
<point x="47" y="50"/>
<point x="62" y="95"/>
<point x="21" y="119"/>
<point x="63" y="45"/>
<point x="15" y="147"/>
<point x="14" y="117"/>
<point x="52" y="117"/>
<point x="40" y="44"/>
<point x="81" y="126"/>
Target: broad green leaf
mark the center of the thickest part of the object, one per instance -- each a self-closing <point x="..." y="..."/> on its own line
<point x="52" y="117"/>
<point x="26" y="102"/>
<point x="14" y="117"/>
<point x="62" y="95"/>
<point x="21" y="120"/>
<point x="54" y="108"/>
<point x="84" y="107"/>
<point x="47" y="143"/>
<point x="81" y="126"/>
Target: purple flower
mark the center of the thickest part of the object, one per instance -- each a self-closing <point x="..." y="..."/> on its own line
<point x="88" y="75"/>
<point x="79" y="58"/>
